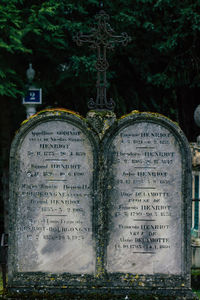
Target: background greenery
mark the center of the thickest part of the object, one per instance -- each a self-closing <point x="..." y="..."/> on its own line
<point x="158" y="71"/>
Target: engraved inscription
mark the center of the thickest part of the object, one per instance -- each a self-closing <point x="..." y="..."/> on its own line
<point x="145" y="193"/>
<point x="54" y="217"/>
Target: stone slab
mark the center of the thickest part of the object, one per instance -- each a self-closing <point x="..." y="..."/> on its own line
<point x="106" y="219"/>
<point x="148" y="186"/>
<point x="146" y="201"/>
<point x="52" y="198"/>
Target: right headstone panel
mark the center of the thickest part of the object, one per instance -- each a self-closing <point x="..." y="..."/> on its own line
<point x="148" y="197"/>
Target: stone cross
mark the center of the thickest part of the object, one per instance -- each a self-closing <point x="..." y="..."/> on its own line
<point x="102" y="38"/>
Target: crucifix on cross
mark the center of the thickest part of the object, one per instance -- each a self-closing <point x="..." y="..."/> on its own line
<point x="102" y="38"/>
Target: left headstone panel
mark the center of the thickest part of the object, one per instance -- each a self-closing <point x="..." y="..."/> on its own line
<point x="52" y="167"/>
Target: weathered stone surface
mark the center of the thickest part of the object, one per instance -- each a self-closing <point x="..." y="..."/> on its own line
<point x="101" y="120"/>
<point x="104" y="219"/>
<point x="197" y="115"/>
<point x="148" y="199"/>
<point x="53" y="162"/>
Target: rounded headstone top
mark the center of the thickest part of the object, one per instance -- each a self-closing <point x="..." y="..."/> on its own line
<point x="197" y="115"/>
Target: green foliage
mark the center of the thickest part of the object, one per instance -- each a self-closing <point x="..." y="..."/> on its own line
<point x="147" y="75"/>
<point x="10" y="45"/>
<point x="1" y="284"/>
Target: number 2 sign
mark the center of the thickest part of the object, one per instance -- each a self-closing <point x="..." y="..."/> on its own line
<point x="34" y="96"/>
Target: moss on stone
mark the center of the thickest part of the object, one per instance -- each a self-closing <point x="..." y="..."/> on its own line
<point x="151" y="114"/>
<point x="54" y="111"/>
<point x="195" y="272"/>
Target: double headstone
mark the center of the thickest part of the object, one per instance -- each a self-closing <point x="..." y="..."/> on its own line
<point x="102" y="212"/>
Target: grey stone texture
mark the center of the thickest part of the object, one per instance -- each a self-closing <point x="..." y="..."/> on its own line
<point x="146" y="201"/>
<point x="100" y="206"/>
<point x="197" y="115"/>
<point x="53" y="162"/>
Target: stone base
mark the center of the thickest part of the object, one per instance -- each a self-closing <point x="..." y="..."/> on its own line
<point x="100" y="293"/>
